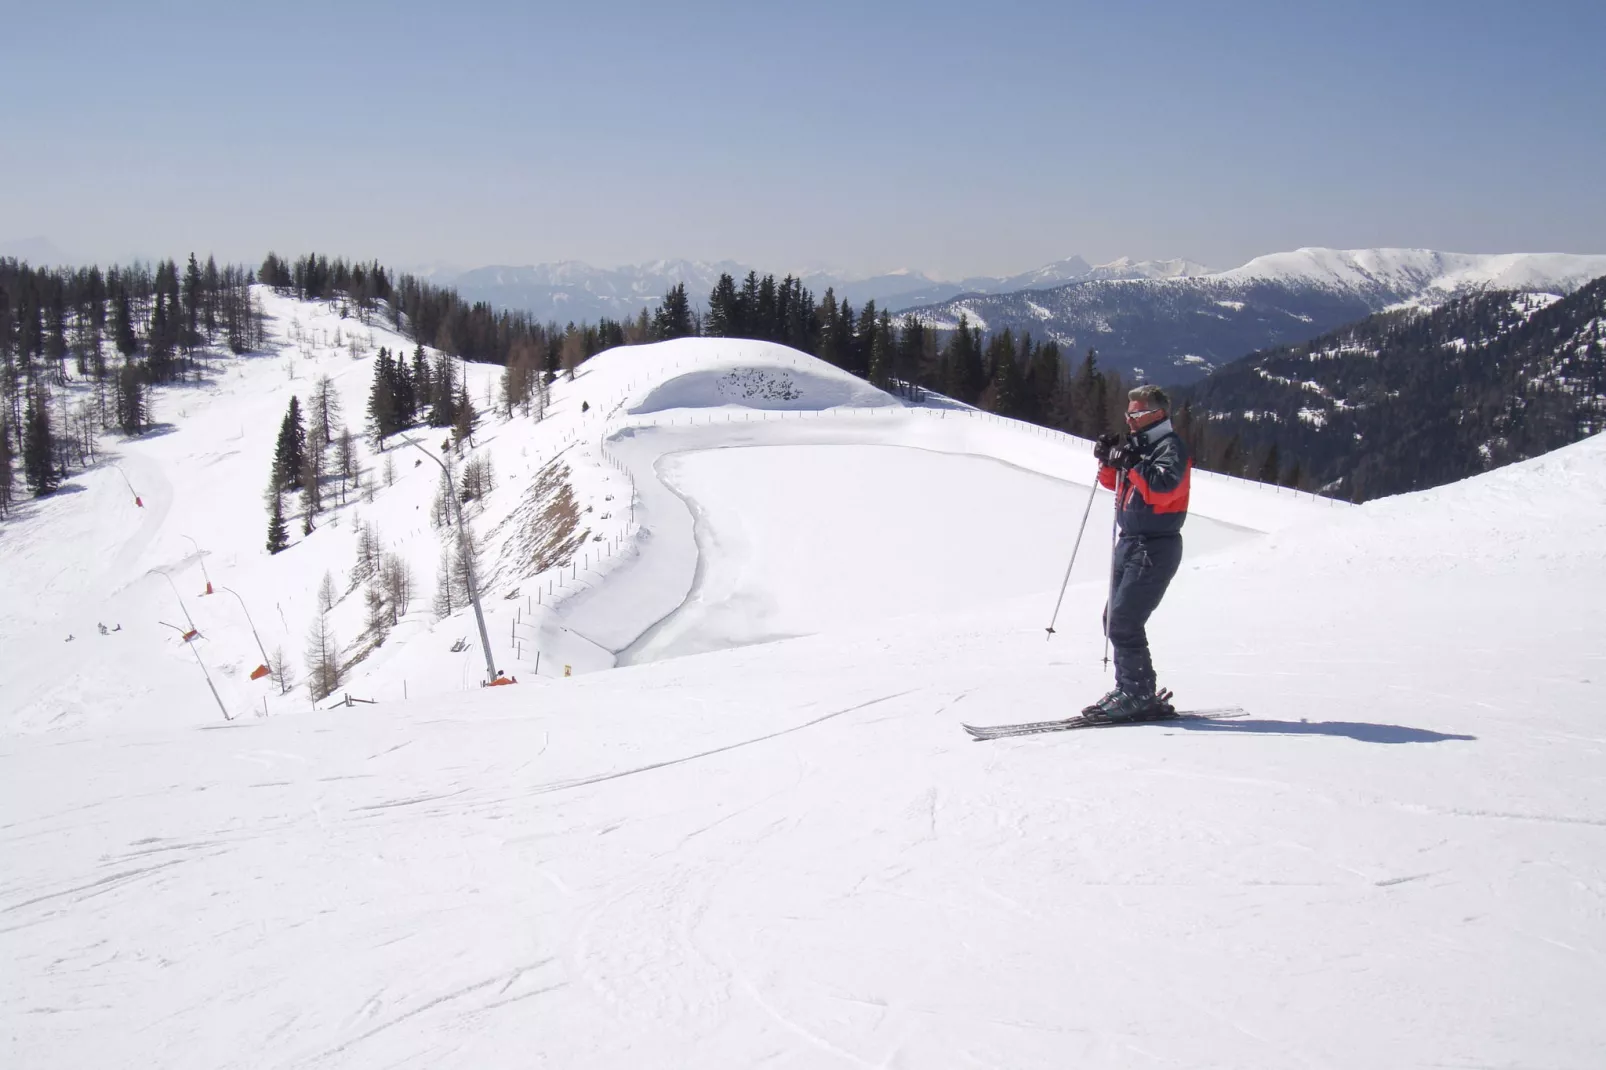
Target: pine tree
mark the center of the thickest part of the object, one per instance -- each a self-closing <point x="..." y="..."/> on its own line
<point x="382" y="417"/>
<point x="746" y="320"/>
<point x="159" y="343"/>
<point x="132" y="414"/>
<point x="443" y="391"/>
<point x="1114" y="402"/>
<point x="1232" y="457"/>
<point x="211" y="285"/>
<point x="1294" y="476"/>
<point x="882" y="351"/>
<point x="1088" y="401"/>
<point x="123" y="326"/>
<point x="573" y="350"/>
<point x="1045" y="385"/>
<point x="56" y="333"/>
<point x="39" y="448"/>
<point x="463" y="418"/>
<point x="846" y="342"/>
<point x="278" y="539"/>
<point x="965" y="376"/>
<point x="193" y="292"/>
<point x="290" y="454"/>
<point x="722" y="311"/>
<point x="419" y="386"/>
<point x="1270" y="466"/>
<point x="1004" y="394"/>
<point x="674" y="318"/>
<point x="7" y="475"/>
<point x="767" y="314"/>
<point x="829" y="317"/>
<point x="911" y="350"/>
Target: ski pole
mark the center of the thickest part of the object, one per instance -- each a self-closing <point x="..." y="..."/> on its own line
<point x="1109" y="602"/>
<point x="1093" y="493"/>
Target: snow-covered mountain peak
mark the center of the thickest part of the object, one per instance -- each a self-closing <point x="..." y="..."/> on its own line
<point x="1419" y="270"/>
<point x="1124" y="267"/>
<point x="1051" y="274"/>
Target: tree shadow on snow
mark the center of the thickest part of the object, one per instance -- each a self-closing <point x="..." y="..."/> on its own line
<point x="1364" y="733"/>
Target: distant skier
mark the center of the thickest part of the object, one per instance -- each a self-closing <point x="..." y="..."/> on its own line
<point x="1151" y="472"/>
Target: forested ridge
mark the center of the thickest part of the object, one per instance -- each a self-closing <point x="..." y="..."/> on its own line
<point x="1413" y="399"/>
<point x="81" y="347"/>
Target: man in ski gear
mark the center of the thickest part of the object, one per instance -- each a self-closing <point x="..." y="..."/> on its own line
<point x="1150" y="471"/>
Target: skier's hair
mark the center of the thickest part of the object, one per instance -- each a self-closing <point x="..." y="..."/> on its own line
<point x="1151" y="396"/>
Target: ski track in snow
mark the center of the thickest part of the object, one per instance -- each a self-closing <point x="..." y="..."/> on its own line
<point x="787" y="852"/>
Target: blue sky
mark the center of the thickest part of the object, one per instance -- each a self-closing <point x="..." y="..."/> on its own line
<point x="956" y="138"/>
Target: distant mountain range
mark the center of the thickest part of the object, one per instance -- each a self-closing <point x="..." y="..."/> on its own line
<point x="36" y="250"/>
<point x="1177" y="328"/>
<point x="573" y="290"/>
<point x="1417" y="397"/>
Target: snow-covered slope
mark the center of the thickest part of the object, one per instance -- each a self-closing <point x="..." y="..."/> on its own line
<point x="558" y="601"/>
<point x="787" y="852"/>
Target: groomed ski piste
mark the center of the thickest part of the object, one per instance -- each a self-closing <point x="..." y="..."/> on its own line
<point x="749" y="829"/>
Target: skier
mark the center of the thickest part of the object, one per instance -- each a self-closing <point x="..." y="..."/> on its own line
<point x="1150" y="471"/>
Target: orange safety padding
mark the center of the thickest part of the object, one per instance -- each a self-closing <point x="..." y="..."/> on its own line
<point x="259" y="672"/>
<point x="500" y="680"/>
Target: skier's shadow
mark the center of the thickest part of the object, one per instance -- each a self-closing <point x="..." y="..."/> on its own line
<point x="1365" y="733"/>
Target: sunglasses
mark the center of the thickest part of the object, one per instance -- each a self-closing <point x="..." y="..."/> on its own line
<point x="1141" y="413"/>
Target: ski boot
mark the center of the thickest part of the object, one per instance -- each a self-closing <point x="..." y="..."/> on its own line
<point x="1103" y="705"/>
<point x="1120" y="707"/>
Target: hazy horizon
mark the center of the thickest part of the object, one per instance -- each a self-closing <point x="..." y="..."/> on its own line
<point x="932" y="137"/>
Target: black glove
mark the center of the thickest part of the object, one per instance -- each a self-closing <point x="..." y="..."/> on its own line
<point x="1124" y="456"/>
<point x="1103" y="445"/>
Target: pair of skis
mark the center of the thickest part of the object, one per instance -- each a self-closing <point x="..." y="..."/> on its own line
<point x="1066" y="724"/>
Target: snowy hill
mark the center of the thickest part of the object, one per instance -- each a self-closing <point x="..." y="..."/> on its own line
<point x="783" y="848"/>
<point x="576" y="572"/>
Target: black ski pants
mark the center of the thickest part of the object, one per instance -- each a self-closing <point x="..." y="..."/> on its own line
<point x="1143" y="567"/>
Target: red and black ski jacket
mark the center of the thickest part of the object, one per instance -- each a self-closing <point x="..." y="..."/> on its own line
<point x="1154" y="492"/>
